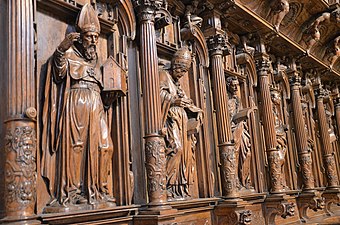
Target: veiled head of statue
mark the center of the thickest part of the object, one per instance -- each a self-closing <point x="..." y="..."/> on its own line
<point x="181" y="62"/>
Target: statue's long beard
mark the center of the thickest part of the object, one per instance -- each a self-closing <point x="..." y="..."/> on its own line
<point x="90" y="52"/>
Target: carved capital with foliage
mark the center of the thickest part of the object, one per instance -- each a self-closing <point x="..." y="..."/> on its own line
<point x="217" y="44"/>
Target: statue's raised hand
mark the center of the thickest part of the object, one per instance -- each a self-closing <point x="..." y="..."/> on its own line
<point x="68" y="41"/>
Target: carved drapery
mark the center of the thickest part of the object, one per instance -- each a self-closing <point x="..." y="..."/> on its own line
<point x="20" y="140"/>
<point x="154" y="142"/>
<point x="328" y="155"/>
<point x="304" y="153"/>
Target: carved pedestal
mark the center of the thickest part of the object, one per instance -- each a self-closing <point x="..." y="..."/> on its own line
<point x="279" y="205"/>
<point x="332" y="196"/>
<point x="233" y="212"/>
<point x="309" y="200"/>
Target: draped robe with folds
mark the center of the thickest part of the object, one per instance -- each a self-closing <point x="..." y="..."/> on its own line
<point x="180" y="141"/>
<point x="76" y="143"/>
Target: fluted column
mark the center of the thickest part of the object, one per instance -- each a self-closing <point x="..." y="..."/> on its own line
<point x="304" y="153"/>
<point x="268" y="121"/>
<point x="228" y="156"/>
<point x="337" y="114"/>
<point x="154" y="142"/>
<point x="20" y="140"/>
<point x="328" y="154"/>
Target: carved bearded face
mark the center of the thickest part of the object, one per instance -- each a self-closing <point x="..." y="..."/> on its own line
<point x="178" y="71"/>
<point x="233" y="85"/>
<point x="89" y="42"/>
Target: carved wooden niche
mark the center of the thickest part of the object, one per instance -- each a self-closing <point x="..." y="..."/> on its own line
<point x="280" y="95"/>
<point x="198" y="158"/>
<point x="56" y="20"/>
<point x="247" y="78"/>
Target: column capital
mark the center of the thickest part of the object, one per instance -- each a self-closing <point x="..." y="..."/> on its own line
<point x="263" y="64"/>
<point x="320" y="93"/>
<point x="146" y="9"/>
<point x="216" y="44"/>
<point x="295" y="80"/>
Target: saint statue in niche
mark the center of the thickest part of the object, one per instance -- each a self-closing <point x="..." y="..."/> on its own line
<point x="280" y="129"/>
<point x="240" y="131"/>
<point x="76" y="142"/>
<point x="182" y="120"/>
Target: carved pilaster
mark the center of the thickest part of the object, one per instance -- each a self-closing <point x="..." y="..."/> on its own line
<point x="20" y="140"/>
<point x="328" y="154"/>
<point x="304" y="153"/>
<point x="268" y="121"/>
<point x="154" y="142"/>
<point x="228" y="156"/>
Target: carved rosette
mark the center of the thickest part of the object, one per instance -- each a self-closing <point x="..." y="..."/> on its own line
<point x="155" y="169"/>
<point x="228" y="170"/>
<point x="20" y="169"/>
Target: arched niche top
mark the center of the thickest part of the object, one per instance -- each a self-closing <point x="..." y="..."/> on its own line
<point x="248" y="61"/>
<point x="283" y="77"/>
<point x="308" y="90"/>
<point x="194" y="33"/>
<point x="126" y="12"/>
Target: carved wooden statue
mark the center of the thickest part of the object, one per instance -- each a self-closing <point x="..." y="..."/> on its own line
<point x="280" y="9"/>
<point x="240" y="131"/>
<point x="76" y="142"/>
<point x="280" y="129"/>
<point x="313" y="29"/>
<point x="191" y="12"/>
<point x="182" y="120"/>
